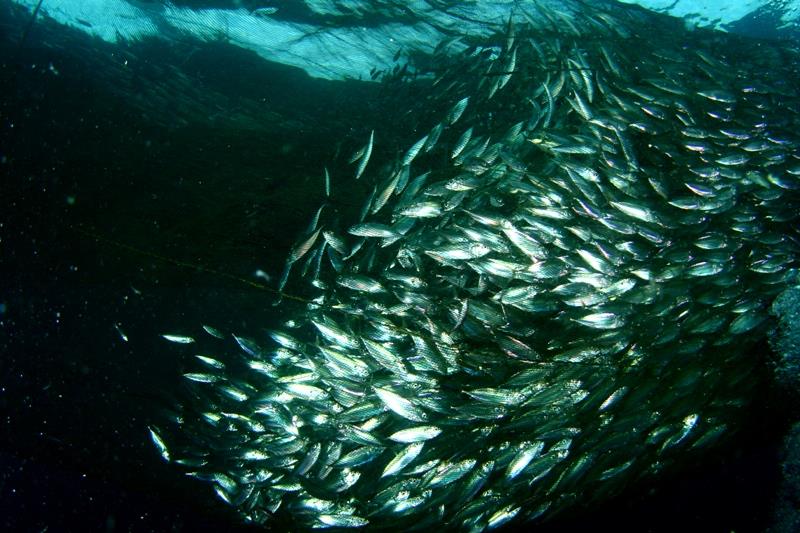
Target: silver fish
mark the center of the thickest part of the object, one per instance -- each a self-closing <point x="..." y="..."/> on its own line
<point x="362" y="164"/>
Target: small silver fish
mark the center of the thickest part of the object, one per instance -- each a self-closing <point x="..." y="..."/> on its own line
<point x="362" y="165"/>
<point x="178" y="339"/>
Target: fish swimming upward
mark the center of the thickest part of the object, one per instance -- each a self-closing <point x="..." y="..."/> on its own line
<point x="551" y="293"/>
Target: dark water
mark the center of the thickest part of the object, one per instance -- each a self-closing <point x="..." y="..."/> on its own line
<point x="142" y="186"/>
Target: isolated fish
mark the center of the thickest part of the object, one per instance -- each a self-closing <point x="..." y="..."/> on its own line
<point x="178" y="339"/>
<point x="367" y="153"/>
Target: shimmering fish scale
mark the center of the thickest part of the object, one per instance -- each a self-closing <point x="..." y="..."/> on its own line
<point x="372" y="229"/>
<point x="403" y="458"/>
<point x="601" y="320"/>
<point x="342" y="520"/>
<point x="527" y="452"/>
<point x="178" y="339"/>
<point x="360" y="283"/>
<point x="400" y="405"/>
<point x="160" y="445"/>
<point x="415" y="434"/>
<point x="451" y="472"/>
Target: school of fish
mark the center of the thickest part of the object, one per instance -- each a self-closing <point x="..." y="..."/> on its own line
<point x="550" y="294"/>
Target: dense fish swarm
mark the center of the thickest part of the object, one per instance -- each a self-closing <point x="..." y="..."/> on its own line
<point x="549" y="295"/>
